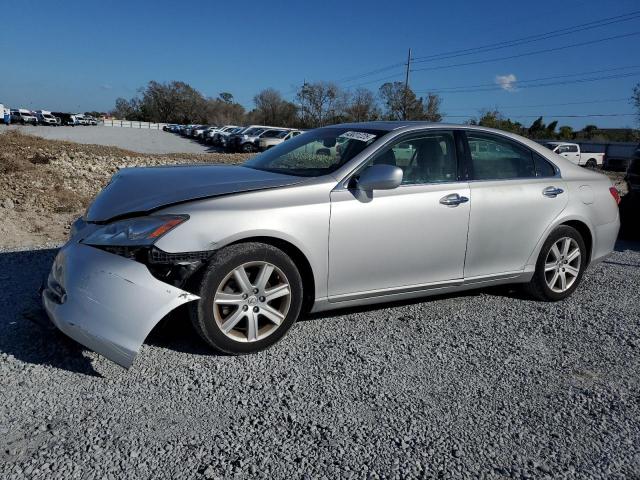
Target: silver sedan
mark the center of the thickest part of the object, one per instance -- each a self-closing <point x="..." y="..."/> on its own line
<point x="345" y="215"/>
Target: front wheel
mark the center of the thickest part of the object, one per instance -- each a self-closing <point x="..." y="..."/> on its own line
<point x="560" y="265"/>
<point x="250" y="295"/>
<point x="247" y="148"/>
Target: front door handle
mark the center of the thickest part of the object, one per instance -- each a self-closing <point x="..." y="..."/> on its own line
<point x="453" y="200"/>
<point x="552" y="192"/>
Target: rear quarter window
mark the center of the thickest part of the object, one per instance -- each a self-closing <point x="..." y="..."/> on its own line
<point x="543" y="167"/>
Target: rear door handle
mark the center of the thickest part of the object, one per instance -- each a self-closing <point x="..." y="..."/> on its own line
<point x="453" y="200"/>
<point x="552" y="192"/>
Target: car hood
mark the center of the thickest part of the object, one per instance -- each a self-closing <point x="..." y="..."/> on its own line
<point x="140" y="190"/>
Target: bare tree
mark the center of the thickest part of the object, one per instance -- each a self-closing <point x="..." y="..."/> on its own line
<point x="401" y="102"/>
<point x="272" y="109"/>
<point x="432" y="108"/>
<point x="127" y="109"/>
<point x="221" y="112"/>
<point x="321" y="103"/>
<point x="362" y="106"/>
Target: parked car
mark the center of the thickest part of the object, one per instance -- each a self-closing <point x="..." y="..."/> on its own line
<point x="81" y="119"/>
<point x="46" y="118"/>
<point x="186" y="131"/>
<point x="245" y="138"/>
<point x="23" y="116"/>
<point x="221" y="138"/>
<point x="211" y="133"/>
<point x="267" y="142"/>
<point x="632" y="176"/>
<point x="66" y="118"/>
<point x="5" y="115"/>
<point x="199" y="131"/>
<point x="619" y="156"/>
<point x="308" y="227"/>
<point x="571" y="151"/>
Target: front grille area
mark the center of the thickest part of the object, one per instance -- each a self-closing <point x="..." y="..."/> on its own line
<point x="158" y="256"/>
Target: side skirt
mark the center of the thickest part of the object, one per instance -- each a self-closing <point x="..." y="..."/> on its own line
<point x="417" y="291"/>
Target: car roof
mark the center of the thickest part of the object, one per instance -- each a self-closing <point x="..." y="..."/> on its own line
<point x="389" y="125"/>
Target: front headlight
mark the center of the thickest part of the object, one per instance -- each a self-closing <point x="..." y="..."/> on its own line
<point x="139" y="231"/>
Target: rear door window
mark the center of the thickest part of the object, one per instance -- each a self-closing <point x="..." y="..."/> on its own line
<point x="498" y="158"/>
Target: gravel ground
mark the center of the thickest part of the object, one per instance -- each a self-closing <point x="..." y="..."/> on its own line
<point x="480" y="385"/>
<point x="134" y="139"/>
<point x="46" y="184"/>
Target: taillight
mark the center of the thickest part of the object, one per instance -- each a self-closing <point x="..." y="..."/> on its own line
<point x="615" y="194"/>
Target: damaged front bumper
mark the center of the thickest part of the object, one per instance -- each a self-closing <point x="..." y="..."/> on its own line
<point x="106" y="302"/>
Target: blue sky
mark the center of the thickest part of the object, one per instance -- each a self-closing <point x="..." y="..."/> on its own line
<point x="82" y="55"/>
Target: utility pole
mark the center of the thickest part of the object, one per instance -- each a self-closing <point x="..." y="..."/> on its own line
<point x="406" y="85"/>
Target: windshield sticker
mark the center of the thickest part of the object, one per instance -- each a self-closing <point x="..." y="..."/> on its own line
<point x="362" y="136"/>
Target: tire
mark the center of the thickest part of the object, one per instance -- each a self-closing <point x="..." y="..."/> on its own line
<point x="540" y="286"/>
<point x="226" y="312"/>
<point x="591" y="163"/>
<point x="247" y="148"/>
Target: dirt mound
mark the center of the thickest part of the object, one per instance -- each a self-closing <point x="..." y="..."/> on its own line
<point x="46" y="184"/>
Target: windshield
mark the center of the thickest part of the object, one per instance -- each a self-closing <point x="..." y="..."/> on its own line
<point x="282" y="134"/>
<point x="317" y="152"/>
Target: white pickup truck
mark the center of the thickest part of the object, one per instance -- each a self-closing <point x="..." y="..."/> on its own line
<point x="571" y="151"/>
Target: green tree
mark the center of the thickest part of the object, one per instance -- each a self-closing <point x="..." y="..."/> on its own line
<point x="589" y="131"/>
<point x="566" y="132"/>
<point x="226" y="97"/>
<point x="551" y="129"/>
<point x="495" y="119"/>
<point x="537" y="128"/>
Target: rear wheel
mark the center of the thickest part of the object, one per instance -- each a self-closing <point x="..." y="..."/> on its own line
<point x="591" y="163"/>
<point x="560" y="265"/>
<point x="250" y="295"/>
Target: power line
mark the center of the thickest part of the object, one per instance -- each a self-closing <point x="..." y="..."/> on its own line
<point x="531" y="38"/>
<point x="368" y="74"/>
<point x="545" y="105"/>
<point x="504" y="44"/>
<point x="496" y="88"/>
<point x="395" y="75"/>
<point x="517" y="83"/>
<point x="526" y="54"/>
<point x="555" y="116"/>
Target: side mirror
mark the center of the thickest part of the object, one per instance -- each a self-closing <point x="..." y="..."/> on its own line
<point x="380" y="177"/>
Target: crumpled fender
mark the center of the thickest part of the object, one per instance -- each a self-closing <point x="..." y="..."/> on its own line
<point x="106" y="302"/>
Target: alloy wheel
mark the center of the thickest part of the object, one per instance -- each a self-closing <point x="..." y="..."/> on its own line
<point x="562" y="265"/>
<point x="252" y="301"/>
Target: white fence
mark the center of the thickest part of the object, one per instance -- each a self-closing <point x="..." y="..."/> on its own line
<point x="132" y="124"/>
